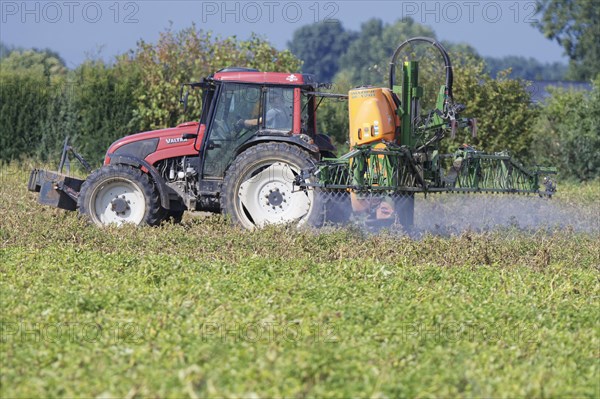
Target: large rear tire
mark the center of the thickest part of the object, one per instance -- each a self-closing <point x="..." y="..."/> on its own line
<point x="258" y="188"/>
<point x="119" y="194"/>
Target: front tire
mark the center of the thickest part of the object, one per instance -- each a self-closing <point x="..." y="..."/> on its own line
<point x="258" y="188"/>
<point x="119" y="194"/>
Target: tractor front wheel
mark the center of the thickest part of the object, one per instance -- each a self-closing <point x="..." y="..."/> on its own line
<point x="118" y="194"/>
<point x="259" y="188"/>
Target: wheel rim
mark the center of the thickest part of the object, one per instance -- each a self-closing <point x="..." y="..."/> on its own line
<point x="267" y="195"/>
<point x="117" y="201"/>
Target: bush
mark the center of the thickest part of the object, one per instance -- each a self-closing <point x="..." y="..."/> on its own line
<point x="24" y="103"/>
<point x="567" y="133"/>
<point x="502" y="107"/>
<point x="105" y="105"/>
<point x="93" y="105"/>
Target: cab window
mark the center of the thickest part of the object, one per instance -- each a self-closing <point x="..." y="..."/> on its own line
<point x="279" y="104"/>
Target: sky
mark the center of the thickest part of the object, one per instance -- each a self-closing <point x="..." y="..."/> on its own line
<point x="103" y="29"/>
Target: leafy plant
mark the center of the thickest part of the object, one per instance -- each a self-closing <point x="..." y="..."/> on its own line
<point x="567" y="133"/>
<point x="502" y="107"/>
<point x="573" y="25"/>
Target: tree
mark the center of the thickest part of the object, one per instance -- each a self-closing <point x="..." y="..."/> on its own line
<point x="332" y="115"/>
<point x="41" y="62"/>
<point x="104" y="102"/>
<point x="526" y="68"/>
<point x="24" y="102"/>
<point x="502" y="107"/>
<point x="461" y="49"/>
<point x="320" y="46"/>
<point x="30" y="81"/>
<point x="567" y="133"/>
<point x="5" y="50"/>
<point x="575" y="25"/>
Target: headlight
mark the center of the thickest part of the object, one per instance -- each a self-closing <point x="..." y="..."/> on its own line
<point x="139" y="149"/>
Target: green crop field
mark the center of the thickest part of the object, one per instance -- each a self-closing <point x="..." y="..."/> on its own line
<point x="203" y="309"/>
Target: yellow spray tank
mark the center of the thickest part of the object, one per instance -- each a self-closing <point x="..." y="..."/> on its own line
<point x="373" y="119"/>
<point x="373" y="115"/>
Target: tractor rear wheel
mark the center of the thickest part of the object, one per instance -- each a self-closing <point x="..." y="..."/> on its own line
<point x="118" y="194"/>
<point x="258" y="188"/>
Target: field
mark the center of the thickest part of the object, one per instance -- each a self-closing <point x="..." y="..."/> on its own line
<point x="203" y="309"/>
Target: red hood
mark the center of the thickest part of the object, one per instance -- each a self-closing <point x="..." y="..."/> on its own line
<point x="187" y="127"/>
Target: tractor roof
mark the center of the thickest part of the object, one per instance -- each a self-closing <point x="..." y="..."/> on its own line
<point x="254" y="76"/>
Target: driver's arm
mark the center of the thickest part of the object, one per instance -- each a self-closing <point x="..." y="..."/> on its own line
<point x="249" y="122"/>
<point x="255" y="122"/>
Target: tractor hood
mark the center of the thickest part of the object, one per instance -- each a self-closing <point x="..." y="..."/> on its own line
<point x="144" y="145"/>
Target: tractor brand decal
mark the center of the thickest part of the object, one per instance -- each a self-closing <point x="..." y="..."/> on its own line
<point x="292" y="78"/>
<point x="175" y="140"/>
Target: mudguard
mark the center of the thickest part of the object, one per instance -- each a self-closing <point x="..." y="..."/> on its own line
<point x="292" y="139"/>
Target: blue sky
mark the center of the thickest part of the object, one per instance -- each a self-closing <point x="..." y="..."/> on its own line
<point x="105" y="28"/>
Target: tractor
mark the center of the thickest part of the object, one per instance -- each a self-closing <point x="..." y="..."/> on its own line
<point x="255" y="155"/>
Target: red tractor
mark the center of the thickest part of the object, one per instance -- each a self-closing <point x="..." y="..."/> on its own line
<point x="257" y="131"/>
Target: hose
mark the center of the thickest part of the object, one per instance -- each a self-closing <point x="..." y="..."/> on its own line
<point x="438" y="46"/>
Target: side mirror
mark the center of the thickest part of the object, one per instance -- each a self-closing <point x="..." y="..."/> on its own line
<point x="183" y="99"/>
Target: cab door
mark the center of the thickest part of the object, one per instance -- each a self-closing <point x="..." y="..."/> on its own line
<point x="236" y="103"/>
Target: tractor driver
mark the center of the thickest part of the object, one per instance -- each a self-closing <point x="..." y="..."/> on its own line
<point x="278" y="115"/>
